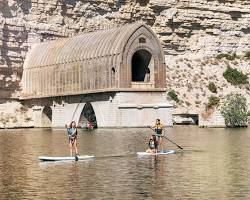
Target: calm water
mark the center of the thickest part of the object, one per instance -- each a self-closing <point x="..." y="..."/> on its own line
<point x="215" y="164"/>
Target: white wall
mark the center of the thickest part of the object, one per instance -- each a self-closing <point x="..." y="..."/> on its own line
<point x="125" y="109"/>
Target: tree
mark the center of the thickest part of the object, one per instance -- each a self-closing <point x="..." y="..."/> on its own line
<point x="234" y="110"/>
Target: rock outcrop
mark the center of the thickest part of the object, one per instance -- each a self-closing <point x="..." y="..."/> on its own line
<point x="14" y="115"/>
<point x="192" y="33"/>
<point x="189" y="76"/>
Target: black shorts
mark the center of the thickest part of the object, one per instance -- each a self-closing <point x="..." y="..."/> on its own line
<point x="72" y="139"/>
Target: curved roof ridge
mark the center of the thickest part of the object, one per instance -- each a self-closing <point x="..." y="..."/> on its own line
<point x="85" y="46"/>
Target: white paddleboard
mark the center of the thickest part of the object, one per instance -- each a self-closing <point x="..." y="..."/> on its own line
<point x="164" y="152"/>
<point x="81" y="157"/>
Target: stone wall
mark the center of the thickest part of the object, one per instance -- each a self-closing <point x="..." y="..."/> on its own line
<point x="122" y="109"/>
<point x="200" y="28"/>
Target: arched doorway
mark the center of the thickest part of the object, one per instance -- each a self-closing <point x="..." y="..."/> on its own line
<point x="141" y="66"/>
<point x="87" y="115"/>
<point x="46" y="117"/>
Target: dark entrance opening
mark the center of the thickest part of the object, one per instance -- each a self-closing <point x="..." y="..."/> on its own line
<point x="87" y="116"/>
<point x="143" y="2"/>
<point x="140" y="66"/>
<point x="191" y="119"/>
<point x="46" y="117"/>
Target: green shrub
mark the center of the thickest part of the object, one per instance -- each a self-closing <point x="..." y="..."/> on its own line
<point x="212" y="87"/>
<point x="234" y="110"/>
<point x="173" y="96"/>
<point x="235" y="77"/>
<point x="213" y="101"/>
<point x="248" y="113"/>
<point x="247" y="55"/>
<point x="227" y="56"/>
<point x="24" y="109"/>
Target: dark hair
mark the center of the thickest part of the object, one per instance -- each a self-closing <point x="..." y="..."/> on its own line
<point x="71" y="124"/>
<point x="155" y="141"/>
<point x="154" y="137"/>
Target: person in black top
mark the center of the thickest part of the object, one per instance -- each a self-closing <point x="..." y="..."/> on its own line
<point x="153" y="145"/>
<point x="72" y="134"/>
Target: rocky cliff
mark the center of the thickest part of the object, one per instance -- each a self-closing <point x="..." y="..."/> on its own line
<point x="192" y="33"/>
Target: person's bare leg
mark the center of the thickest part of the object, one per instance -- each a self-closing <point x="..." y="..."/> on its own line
<point x="152" y="151"/>
<point x="75" y="147"/>
<point x="148" y="151"/>
<point x="161" y="144"/>
<point x="70" y="147"/>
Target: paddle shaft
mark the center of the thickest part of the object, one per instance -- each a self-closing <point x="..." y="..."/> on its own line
<point x="172" y="141"/>
<point x="168" y="139"/>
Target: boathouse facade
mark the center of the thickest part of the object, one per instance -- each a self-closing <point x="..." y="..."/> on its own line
<point x="118" y="75"/>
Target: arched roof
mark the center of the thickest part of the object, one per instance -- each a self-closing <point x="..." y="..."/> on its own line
<point x="91" y="45"/>
<point x="92" y="62"/>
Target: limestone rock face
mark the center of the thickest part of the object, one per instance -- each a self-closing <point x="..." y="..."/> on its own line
<point x="14" y="115"/>
<point x="190" y="27"/>
<point x="190" y="75"/>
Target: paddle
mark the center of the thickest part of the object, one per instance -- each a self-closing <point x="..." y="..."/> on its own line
<point x="167" y="139"/>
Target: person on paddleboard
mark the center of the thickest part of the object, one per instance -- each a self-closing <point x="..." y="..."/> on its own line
<point x="152" y="144"/>
<point x="158" y="128"/>
<point x="72" y="134"/>
<point x="89" y="125"/>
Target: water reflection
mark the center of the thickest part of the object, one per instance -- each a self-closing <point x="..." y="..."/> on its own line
<point x="213" y="165"/>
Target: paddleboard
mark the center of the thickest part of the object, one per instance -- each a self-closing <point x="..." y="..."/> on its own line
<point x="81" y="157"/>
<point x="164" y="152"/>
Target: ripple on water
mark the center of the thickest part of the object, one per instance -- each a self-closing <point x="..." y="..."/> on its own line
<point x="213" y="165"/>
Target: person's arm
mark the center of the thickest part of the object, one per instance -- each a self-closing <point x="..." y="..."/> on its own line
<point x="69" y="132"/>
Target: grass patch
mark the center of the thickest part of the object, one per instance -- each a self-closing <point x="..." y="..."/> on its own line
<point x="212" y="87"/>
<point x="227" y="56"/>
<point x="212" y="102"/>
<point x="23" y="109"/>
<point x="235" y="77"/>
<point x="173" y="96"/>
<point x="247" y="55"/>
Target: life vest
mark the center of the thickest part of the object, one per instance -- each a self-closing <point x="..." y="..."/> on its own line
<point x="158" y="129"/>
<point x="71" y="131"/>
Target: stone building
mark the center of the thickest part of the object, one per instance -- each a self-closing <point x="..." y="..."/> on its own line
<point x="115" y="77"/>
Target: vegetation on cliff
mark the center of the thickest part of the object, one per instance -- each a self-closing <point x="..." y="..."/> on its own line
<point x="213" y="101"/>
<point x="247" y="55"/>
<point x="235" y="77"/>
<point x="234" y="110"/>
<point x="212" y="87"/>
<point x="227" y="56"/>
<point x="173" y="96"/>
